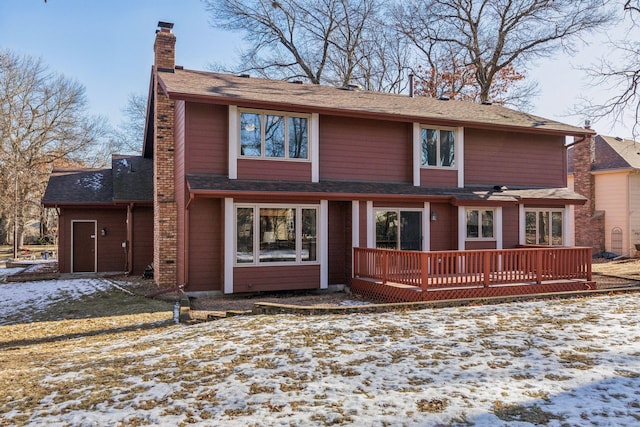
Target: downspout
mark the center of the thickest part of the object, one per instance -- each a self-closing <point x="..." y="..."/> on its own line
<point x="584" y="137"/>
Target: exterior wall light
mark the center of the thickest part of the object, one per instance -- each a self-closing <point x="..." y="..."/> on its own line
<point x="434" y="216"/>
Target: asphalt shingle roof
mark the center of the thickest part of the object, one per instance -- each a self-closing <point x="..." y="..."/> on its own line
<point x="217" y="184"/>
<point x="225" y="88"/>
<point x="611" y="153"/>
<point x="130" y="179"/>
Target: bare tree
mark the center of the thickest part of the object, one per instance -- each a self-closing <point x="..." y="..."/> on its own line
<point x="619" y="73"/>
<point x="127" y="137"/>
<point x="492" y="35"/>
<point x="42" y="120"/>
<point x="324" y="41"/>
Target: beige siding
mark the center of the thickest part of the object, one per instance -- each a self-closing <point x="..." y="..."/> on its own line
<point x="611" y="197"/>
<point x="634" y="212"/>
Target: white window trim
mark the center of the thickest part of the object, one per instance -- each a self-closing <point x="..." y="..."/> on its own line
<point x="456" y="146"/>
<point x="371" y="229"/>
<point x="496" y="216"/>
<point x="566" y="238"/>
<point x="234" y="136"/>
<point x="322" y="239"/>
<point x="426" y="227"/>
<point x="287" y="115"/>
<point x="230" y="225"/>
<point x="569" y="226"/>
<point x="459" y="155"/>
<point x="314" y="146"/>
<point x="417" y="153"/>
<point x="424" y="244"/>
<point x="321" y="222"/>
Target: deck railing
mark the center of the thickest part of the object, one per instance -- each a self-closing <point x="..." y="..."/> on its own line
<point x="475" y="267"/>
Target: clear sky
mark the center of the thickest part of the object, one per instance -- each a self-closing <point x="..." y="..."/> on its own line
<point x="107" y="45"/>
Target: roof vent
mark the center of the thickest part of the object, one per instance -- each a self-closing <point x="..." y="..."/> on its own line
<point x="297" y="82"/>
<point x="487" y="103"/>
<point x="244" y="76"/>
<point x="179" y="67"/>
<point x="617" y="138"/>
<point x="353" y="86"/>
<point x="443" y="98"/>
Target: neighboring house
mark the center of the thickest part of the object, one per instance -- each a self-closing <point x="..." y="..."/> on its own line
<point x="607" y="171"/>
<point x="105" y="216"/>
<point x="269" y="185"/>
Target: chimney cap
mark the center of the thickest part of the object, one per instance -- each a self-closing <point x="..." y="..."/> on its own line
<point x="167" y="25"/>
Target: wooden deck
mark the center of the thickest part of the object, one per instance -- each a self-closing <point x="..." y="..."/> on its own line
<point x="403" y="276"/>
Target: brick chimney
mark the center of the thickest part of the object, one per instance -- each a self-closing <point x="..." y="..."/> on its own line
<point x="165" y="47"/>
<point x="164" y="204"/>
<point x="589" y="223"/>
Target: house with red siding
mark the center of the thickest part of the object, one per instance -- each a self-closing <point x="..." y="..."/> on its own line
<point x="263" y="185"/>
<point x="267" y="185"/>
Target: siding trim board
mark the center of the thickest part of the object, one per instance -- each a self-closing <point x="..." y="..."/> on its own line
<point x="229" y="244"/>
<point x="234" y="126"/>
<point x="323" y="231"/>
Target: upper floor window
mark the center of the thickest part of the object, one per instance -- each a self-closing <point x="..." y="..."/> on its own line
<point x="543" y="227"/>
<point x="480" y="224"/>
<point x="438" y="147"/>
<point x="274" y="135"/>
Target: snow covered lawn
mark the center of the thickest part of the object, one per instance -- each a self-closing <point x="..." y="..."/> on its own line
<point x="20" y="301"/>
<point x="555" y="362"/>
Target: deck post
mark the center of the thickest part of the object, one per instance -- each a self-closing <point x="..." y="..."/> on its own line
<point x="385" y="266"/>
<point x="424" y="266"/>
<point x="356" y="262"/>
<point x="538" y="266"/>
<point x="486" y="258"/>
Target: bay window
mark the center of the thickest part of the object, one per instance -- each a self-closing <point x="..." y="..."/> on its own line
<point x="276" y="234"/>
<point x="274" y="135"/>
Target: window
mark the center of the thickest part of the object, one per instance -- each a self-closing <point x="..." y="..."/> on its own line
<point x="398" y="229"/>
<point x="285" y="234"/>
<point x="544" y="227"/>
<point x="438" y="147"/>
<point x="274" y="135"/>
<point x="480" y="224"/>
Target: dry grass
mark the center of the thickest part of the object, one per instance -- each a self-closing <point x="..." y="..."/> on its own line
<point x="128" y="356"/>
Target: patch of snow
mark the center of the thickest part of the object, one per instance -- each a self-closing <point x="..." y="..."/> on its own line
<point x="350" y="303"/>
<point x="555" y="362"/>
<point x="20" y="300"/>
<point x="94" y="182"/>
<point x="9" y="271"/>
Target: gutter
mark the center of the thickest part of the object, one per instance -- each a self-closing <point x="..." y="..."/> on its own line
<point x="584" y="137"/>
